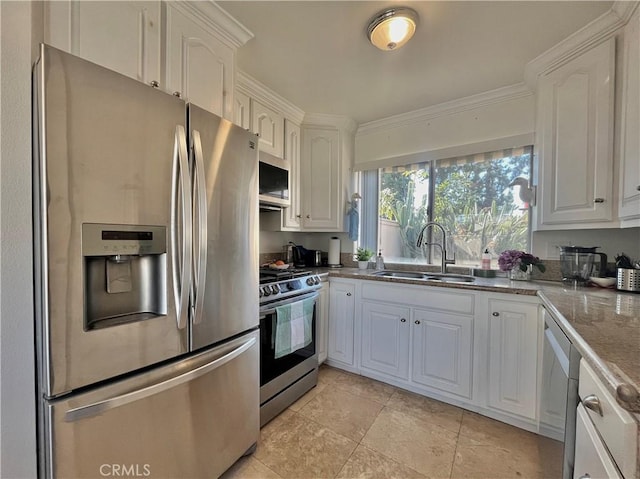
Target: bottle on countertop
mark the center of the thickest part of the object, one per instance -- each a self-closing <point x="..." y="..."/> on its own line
<point x="379" y="261"/>
<point x="486" y="259"/>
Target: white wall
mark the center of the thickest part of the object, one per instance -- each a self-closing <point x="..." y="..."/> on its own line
<point x="17" y="365"/>
<point x="502" y="113"/>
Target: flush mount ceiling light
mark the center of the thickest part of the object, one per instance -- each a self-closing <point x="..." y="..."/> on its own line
<point x="392" y="28"/>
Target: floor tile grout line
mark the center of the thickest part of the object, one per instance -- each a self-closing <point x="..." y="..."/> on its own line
<point x="255" y="458"/>
<point x="455" y="450"/>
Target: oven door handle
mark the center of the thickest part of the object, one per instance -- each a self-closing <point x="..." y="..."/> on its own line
<point x="272" y="307"/>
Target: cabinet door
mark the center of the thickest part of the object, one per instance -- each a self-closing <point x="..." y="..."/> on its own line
<point x="591" y="456"/>
<point x="442" y="351"/>
<point x="121" y="36"/>
<point x="575" y="139"/>
<point x="269" y="125"/>
<point x="513" y="357"/>
<point x="242" y="110"/>
<point x="321" y="180"/>
<point x="385" y="339"/>
<point x="198" y="65"/>
<point x="291" y="216"/>
<point x="341" y="322"/>
<point x="322" y="315"/>
<point x="630" y="139"/>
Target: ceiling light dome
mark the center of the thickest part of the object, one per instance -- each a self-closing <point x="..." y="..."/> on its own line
<point x="392" y="28"/>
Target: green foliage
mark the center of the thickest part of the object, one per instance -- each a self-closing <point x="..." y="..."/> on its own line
<point x="363" y="254"/>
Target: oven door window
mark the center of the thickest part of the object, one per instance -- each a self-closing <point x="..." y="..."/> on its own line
<point x="274" y="181"/>
<point x="272" y="367"/>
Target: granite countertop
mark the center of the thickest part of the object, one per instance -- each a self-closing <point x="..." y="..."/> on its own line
<point x="603" y="324"/>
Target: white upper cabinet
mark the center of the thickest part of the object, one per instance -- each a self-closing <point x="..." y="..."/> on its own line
<point x="121" y="36"/>
<point x="268" y="124"/>
<point x="629" y="206"/>
<point x="291" y="216"/>
<point x="574" y="138"/>
<point x="242" y="110"/>
<point x="198" y="65"/>
<point x="325" y="171"/>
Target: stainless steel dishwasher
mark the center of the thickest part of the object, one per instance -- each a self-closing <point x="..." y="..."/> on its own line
<point x="559" y="397"/>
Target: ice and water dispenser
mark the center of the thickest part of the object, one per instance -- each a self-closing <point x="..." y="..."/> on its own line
<point x="124" y="273"/>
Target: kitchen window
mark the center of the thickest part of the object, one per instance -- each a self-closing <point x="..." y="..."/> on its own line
<point x="470" y="196"/>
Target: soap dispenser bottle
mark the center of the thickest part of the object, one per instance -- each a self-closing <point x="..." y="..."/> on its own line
<point x="486" y="259"/>
<point x="379" y="261"/>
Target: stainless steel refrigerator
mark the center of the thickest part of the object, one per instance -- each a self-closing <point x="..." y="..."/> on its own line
<point x="146" y="253"/>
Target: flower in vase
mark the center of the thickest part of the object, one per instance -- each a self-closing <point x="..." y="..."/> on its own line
<point x="514" y="259"/>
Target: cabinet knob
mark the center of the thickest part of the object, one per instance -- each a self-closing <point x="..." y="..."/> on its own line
<point x="585" y="476"/>
<point x="495" y="313"/>
<point x="308" y="216"/>
<point x="638" y="187"/>
<point x="154" y="84"/>
<point x="298" y="216"/>
<point x="592" y="402"/>
<point x="417" y="322"/>
<point x="402" y="320"/>
<point x="348" y="294"/>
<point x="177" y="93"/>
<point x="599" y="200"/>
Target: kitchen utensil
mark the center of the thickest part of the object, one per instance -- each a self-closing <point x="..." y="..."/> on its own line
<point x="628" y="280"/>
<point x="623" y="261"/>
<point x="576" y="263"/>
<point x="287" y="253"/>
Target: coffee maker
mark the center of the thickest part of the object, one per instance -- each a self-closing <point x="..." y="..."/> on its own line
<point x="577" y="263"/>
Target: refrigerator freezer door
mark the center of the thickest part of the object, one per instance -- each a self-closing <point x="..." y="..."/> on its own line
<point x="227" y="156"/>
<point x="189" y="419"/>
<point x="106" y="149"/>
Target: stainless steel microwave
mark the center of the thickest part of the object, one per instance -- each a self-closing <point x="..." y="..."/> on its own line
<point x="273" y="181"/>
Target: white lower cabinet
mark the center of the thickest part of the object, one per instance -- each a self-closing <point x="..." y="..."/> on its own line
<point x="470" y="348"/>
<point x="591" y="457"/>
<point x="385" y="338"/>
<point x="442" y="351"/>
<point x="341" y="322"/>
<point x="513" y="357"/>
<point x="322" y="322"/>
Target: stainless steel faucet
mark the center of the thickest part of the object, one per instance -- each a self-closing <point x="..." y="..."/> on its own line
<point x="443" y="246"/>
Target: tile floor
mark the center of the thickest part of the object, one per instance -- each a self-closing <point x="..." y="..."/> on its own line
<point x="349" y="426"/>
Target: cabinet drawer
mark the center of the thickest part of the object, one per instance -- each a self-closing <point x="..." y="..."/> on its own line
<point x="420" y="296"/>
<point x="616" y="426"/>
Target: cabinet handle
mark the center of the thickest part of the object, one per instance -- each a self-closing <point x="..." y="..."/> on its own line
<point x="348" y="294"/>
<point x="638" y="187"/>
<point x="308" y="216"/>
<point x="402" y="320"/>
<point x="585" y="476"/>
<point x="417" y="322"/>
<point x="495" y="313"/>
<point x="177" y="93"/>
<point x="599" y="200"/>
<point x="154" y="84"/>
<point x="592" y="402"/>
<point x="298" y="216"/>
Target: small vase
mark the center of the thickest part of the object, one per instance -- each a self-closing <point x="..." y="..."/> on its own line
<point x="517" y="274"/>
<point x="363" y="264"/>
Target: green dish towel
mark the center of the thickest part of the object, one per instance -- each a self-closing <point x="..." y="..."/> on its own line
<point x="294" y="323"/>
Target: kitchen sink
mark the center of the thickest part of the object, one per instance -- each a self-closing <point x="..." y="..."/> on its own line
<point x="444" y="277"/>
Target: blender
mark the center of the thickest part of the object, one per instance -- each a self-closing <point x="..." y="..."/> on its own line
<point x="576" y="263"/>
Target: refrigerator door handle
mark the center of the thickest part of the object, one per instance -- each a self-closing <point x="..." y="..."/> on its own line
<point x="181" y="227"/>
<point x="97" y="408"/>
<point x="199" y="249"/>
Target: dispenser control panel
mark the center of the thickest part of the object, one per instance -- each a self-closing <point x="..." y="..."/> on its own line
<point x="108" y="240"/>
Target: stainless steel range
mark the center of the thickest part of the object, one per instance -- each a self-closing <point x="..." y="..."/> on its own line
<point x="286" y="374"/>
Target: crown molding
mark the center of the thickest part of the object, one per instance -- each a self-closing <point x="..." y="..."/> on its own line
<point x="599" y="30"/>
<point x="324" y="120"/>
<point x="459" y="105"/>
<point x="252" y="87"/>
<point x="216" y="20"/>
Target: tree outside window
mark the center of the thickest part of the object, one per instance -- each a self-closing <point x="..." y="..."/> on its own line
<point x="472" y="200"/>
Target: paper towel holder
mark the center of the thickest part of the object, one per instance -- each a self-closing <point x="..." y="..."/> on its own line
<point x="333" y="242"/>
